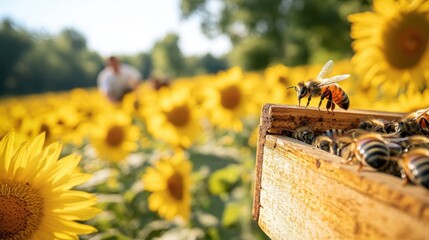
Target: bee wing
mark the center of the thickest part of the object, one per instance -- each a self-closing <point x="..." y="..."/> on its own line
<point x="421" y="112"/>
<point x="326" y="69"/>
<point x="332" y="80"/>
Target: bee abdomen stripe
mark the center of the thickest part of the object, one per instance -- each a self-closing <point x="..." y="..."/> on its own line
<point x="342" y="100"/>
<point x="346" y="101"/>
<point x="367" y="144"/>
<point x="334" y="132"/>
<point x="374" y="153"/>
<point x="419" y="165"/>
<point x="422" y="173"/>
<point x="418" y="161"/>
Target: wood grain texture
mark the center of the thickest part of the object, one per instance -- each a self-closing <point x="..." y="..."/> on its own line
<point x="262" y="132"/>
<point x="301" y="192"/>
<point x="283" y="118"/>
<point x="309" y="194"/>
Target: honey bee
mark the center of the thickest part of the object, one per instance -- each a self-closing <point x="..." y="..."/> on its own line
<point x="414" y="123"/>
<point x="322" y="142"/>
<point x="370" y="150"/>
<point x="374" y="125"/>
<point x="422" y="118"/>
<point x="325" y="88"/>
<point x="339" y="146"/>
<point x="333" y="133"/>
<point x="304" y="133"/>
<point x="415" y="166"/>
<point x="395" y="149"/>
<point x="416" y="141"/>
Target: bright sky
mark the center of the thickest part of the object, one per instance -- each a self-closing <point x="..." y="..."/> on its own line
<point x="113" y="26"/>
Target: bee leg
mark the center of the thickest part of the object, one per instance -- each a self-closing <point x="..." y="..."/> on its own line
<point x="404" y="178"/>
<point x="348" y="158"/>
<point x="360" y="166"/>
<point x="329" y="97"/>
<point x="309" y="99"/>
<point x="321" y="99"/>
<point x="332" y="108"/>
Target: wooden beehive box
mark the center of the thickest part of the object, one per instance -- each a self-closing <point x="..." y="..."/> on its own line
<point x="302" y="192"/>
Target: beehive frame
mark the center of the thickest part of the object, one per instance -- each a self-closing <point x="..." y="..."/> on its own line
<point x="302" y="192"/>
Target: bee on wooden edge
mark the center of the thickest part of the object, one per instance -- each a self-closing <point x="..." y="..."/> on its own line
<point x="325" y="88"/>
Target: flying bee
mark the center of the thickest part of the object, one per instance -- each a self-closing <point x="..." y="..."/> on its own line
<point x="325" y="88"/>
<point x="304" y="133"/>
<point x="322" y="142"/>
<point x="415" y="166"/>
<point x="374" y="125"/>
<point x="370" y="150"/>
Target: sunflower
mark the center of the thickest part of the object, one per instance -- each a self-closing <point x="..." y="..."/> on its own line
<point x="276" y="81"/>
<point x="113" y="136"/>
<point x="35" y="192"/>
<point x="169" y="181"/>
<point x="391" y="44"/>
<point x="406" y="102"/>
<point x="228" y="99"/>
<point x="175" y="119"/>
<point x="68" y="124"/>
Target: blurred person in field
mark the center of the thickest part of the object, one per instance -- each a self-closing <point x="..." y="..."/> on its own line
<point x="117" y="79"/>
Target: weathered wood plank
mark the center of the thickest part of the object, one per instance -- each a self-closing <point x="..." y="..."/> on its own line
<point x="262" y="132"/>
<point x="276" y="118"/>
<point x="301" y="192"/>
<point x="286" y="117"/>
<point x="308" y="194"/>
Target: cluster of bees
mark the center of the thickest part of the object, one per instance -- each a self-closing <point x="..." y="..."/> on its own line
<point x="399" y="147"/>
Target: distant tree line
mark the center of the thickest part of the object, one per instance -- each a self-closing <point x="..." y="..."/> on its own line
<point x="34" y="62"/>
<point x="292" y="32"/>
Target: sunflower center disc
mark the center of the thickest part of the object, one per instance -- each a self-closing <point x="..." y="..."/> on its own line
<point x="175" y="186"/>
<point x="13" y="214"/>
<point x="230" y="97"/>
<point x="115" y="136"/>
<point x="20" y="210"/>
<point x="179" y="116"/>
<point x="406" y="40"/>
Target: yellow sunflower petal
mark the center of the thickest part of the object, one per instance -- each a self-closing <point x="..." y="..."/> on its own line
<point x="52" y="208"/>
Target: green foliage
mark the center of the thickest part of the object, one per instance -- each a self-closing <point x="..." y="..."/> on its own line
<point x="14" y="43"/>
<point x="297" y="31"/>
<point x="206" y="64"/>
<point x="292" y="32"/>
<point x="168" y="60"/>
<point x="34" y="62"/>
<point x="259" y="53"/>
<point x="223" y="180"/>
<point x="188" y="7"/>
<point x="231" y="214"/>
<point x="38" y="63"/>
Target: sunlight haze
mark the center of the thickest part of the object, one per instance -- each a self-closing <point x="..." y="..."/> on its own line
<point x="115" y="27"/>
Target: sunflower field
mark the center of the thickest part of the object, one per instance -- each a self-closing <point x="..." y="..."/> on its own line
<point x="178" y="162"/>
